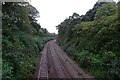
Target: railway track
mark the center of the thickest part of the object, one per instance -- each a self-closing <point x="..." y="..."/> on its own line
<point x="55" y="64"/>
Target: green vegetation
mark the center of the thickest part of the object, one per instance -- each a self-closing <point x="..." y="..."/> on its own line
<point x="93" y="40"/>
<point x="23" y="40"/>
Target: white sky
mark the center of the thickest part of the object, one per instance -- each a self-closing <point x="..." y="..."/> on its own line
<point x="53" y="12"/>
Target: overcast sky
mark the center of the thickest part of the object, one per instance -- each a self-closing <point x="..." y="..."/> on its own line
<point x="53" y="12"/>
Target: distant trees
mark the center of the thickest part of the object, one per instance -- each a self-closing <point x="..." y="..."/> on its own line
<point x="74" y="16"/>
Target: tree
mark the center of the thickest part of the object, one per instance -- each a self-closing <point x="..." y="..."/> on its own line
<point x="106" y="10"/>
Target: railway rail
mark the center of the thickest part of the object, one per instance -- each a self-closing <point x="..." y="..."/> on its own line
<point x="55" y="64"/>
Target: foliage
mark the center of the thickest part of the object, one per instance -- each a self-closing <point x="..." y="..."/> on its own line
<point x="94" y="41"/>
<point x="106" y="10"/>
<point x="23" y="39"/>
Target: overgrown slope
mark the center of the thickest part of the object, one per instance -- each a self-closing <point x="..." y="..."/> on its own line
<point x="23" y="39"/>
<point x="93" y="40"/>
